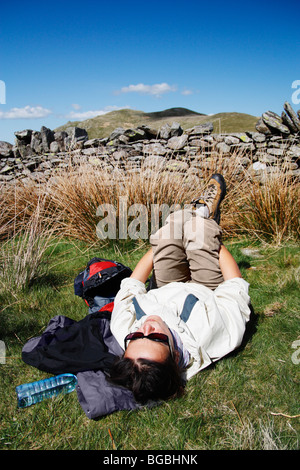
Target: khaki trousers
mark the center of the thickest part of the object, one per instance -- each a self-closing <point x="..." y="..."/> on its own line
<point x="186" y="249"/>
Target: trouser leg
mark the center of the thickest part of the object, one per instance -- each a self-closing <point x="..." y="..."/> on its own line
<point x="202" y="242"/>
<point x="169" y="256"/>
<point x="186" y="249"/>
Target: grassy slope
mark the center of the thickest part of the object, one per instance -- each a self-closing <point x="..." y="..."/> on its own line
<point x="228" y="406"/>
<point x="102" y="126"/>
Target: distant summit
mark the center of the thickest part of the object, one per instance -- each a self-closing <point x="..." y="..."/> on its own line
<point x="172" y="112"/>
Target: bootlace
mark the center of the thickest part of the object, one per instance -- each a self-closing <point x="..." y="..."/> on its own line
<point x="210" y="193"/>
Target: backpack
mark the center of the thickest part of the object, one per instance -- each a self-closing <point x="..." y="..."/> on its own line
<point x="99" y="283"/>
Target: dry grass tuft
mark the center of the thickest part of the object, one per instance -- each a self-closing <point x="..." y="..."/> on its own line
<point x="22" y="253"/>
<point x="268" y="208"/>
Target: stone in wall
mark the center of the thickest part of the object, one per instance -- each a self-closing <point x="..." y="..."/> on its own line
<point x="75" y="138"/>
<point x="6" y="149"/>
<point x="293" y="117"/>
<point x="288" y="123"/>
<point x="47" y="136"/>
<point x="167" y="132"/>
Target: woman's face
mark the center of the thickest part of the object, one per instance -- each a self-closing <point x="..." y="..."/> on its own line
<point x="146" y="348"/>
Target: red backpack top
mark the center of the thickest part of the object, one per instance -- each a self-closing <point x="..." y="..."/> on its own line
<point x="99" y="283"/>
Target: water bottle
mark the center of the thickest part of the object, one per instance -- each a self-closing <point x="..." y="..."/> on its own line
<point x="34" y="392"/>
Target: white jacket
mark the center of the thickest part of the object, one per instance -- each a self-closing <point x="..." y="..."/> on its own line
<point x="210" y="323"/>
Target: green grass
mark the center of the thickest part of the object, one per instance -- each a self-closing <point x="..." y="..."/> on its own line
<point x="231" y="405"/>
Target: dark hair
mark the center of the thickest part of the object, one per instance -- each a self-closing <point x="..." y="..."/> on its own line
<point x="148" y="380"/>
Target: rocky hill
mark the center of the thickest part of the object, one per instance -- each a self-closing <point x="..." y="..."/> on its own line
<point x="102" y="126"/>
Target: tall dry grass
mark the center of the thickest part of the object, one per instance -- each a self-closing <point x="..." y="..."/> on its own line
<point x="266" y="208"/>
<point x="78" y="193"/>
<point x="22" y="253"/>
<point x="19" y="203"/>
<point x="71" y="198"/>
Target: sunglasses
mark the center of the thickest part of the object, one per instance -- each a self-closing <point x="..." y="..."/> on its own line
<point x="159" y="337"/>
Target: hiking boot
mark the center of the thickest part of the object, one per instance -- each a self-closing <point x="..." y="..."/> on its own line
<point x="213" y="196"/>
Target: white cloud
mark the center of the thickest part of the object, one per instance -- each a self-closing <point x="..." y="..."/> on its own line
<point x="76" y="106"/>
<point x="84" y="114"/>
<point x="187" y="92"/>
<point x="28" y="112"/>
<point x="91" y="114"/>
<point x="157" y="89"/>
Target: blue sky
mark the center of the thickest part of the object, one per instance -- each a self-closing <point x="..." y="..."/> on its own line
<point x="72" y="60"/>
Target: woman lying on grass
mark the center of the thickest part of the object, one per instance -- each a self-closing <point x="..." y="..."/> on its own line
<point x="197" y="313"/>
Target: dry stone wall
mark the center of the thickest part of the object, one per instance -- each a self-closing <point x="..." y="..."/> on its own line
<point x="37" y="155"/>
